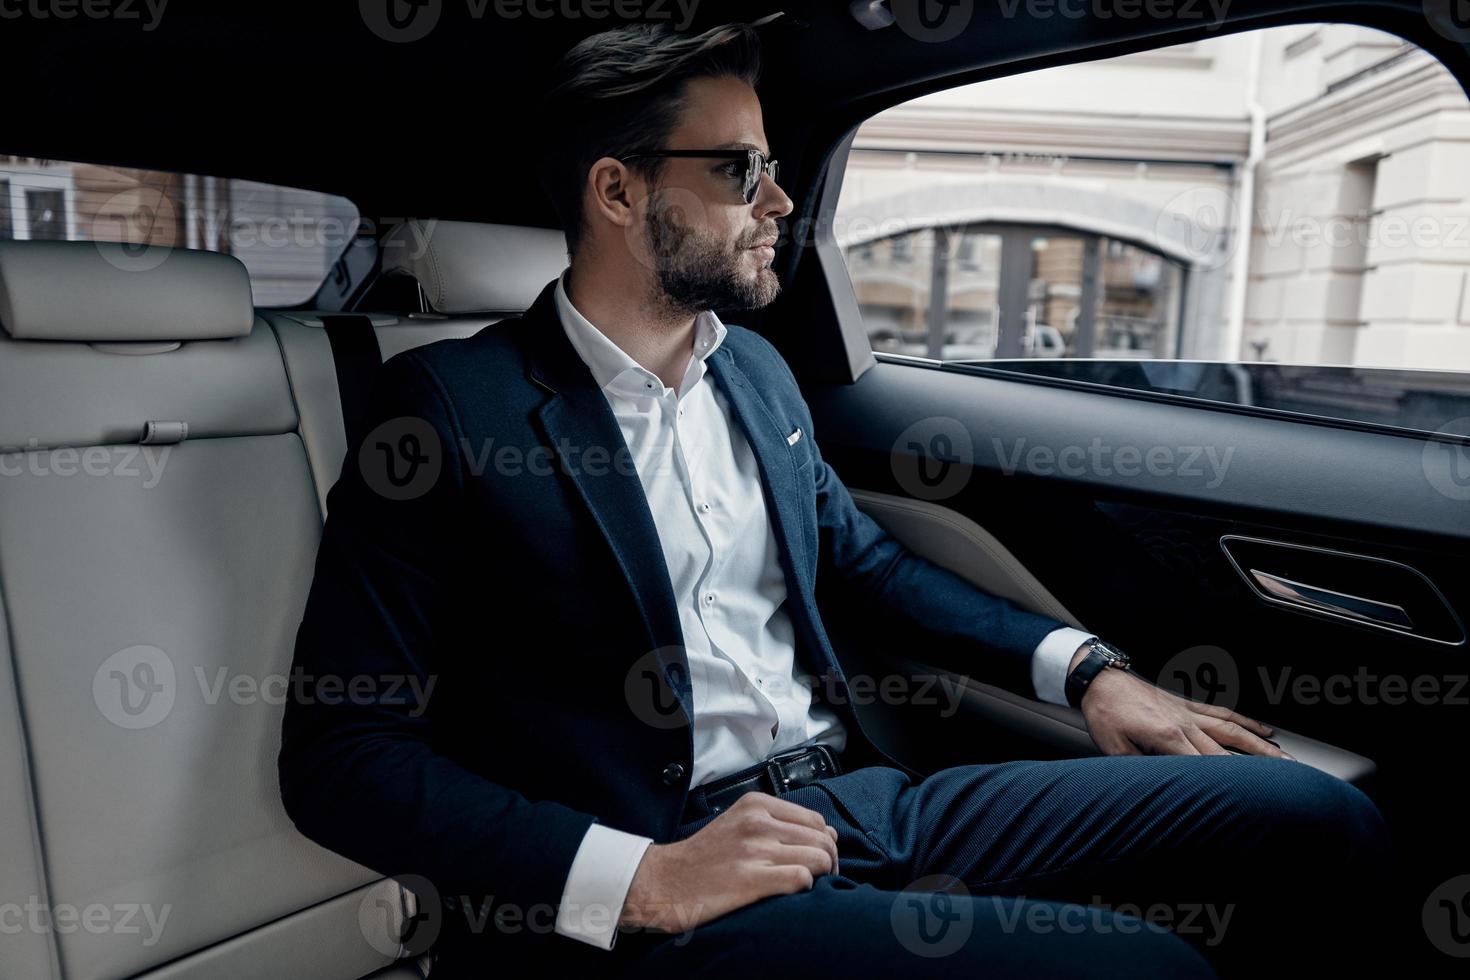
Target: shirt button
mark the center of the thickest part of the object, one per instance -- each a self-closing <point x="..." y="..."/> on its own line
<point x="673" y="773"/>
<point x="704" y="507"/>
<point x="709" y="598"/>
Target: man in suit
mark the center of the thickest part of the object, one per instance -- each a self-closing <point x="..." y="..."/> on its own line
<point x="595" y="533"/>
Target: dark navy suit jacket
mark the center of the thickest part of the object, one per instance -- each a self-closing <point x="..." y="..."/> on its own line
<point x="489" y="537"/>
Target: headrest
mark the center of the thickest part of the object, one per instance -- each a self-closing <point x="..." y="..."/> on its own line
<point x="100" y="291"/>
<point x="466" y="267"/>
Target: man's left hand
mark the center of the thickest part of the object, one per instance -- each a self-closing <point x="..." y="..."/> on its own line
<point x="1126" y="715"/>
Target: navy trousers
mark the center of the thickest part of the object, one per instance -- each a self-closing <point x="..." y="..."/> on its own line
<point x="1139" y="866"/>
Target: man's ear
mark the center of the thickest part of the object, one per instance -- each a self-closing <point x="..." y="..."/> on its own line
<point x="614" y="191"/>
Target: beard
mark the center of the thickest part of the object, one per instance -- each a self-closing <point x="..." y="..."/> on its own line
<point x="695" y="272"/>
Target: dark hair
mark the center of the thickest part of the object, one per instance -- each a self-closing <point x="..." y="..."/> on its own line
<point x="623" y="90"/>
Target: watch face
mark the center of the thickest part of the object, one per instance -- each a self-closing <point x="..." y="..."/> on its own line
<point x="1116" y="657"/>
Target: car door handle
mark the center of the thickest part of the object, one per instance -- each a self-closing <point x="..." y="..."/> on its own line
<point x="1337" y="603"/>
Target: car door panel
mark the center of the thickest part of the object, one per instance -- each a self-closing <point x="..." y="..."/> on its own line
<point x="1137" y="557"/>
<point x="959" y="544"/>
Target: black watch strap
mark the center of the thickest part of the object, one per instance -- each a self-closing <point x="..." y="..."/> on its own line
<point x="1099" y="657"/>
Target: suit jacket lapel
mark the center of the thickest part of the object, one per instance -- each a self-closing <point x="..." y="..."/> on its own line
<point x="773" y="458"/>
<point x="783" y="500"/>
<point x="574" y="418"/>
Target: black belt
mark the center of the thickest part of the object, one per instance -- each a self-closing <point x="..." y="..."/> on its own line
<point x="776" y="775"/>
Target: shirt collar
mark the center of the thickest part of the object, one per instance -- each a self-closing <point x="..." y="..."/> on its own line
<point x="609" y="363"/>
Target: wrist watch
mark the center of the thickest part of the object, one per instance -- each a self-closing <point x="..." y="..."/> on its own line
<point x="1099" y="656"/>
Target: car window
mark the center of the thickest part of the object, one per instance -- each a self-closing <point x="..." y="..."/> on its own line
<point x="1289" y="196"/>
<point x="287" y="238"/>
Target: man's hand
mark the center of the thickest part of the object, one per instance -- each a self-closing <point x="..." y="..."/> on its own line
<point x="761" y="846"/>
<point x="1126" y="715"/>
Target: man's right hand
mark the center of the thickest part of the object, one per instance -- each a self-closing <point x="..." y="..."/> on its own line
<point x="761" y="846"/>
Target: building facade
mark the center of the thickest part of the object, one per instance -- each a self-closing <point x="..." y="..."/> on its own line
<point x="1236" y="198"/>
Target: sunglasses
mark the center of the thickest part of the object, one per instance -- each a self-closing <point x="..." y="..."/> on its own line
<point x="755" y="164"/>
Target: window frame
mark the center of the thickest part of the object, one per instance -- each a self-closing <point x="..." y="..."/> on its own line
<point x="20" y="208"/>
<point x="827" y="255"/>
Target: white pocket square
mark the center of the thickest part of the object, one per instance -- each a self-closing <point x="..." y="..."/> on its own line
<point x="792" y="439"/>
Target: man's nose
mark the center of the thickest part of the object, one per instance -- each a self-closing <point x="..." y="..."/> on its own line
<point x="771" y="199"/>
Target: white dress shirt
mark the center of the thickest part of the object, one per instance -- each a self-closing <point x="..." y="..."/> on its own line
<point x="704" y="492"/>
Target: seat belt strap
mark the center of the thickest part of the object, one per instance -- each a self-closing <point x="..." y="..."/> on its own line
<point x="357" y="358"/>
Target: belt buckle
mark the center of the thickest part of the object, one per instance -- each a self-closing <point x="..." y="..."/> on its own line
<point x="776" y="776"/>
<point x="824" y="764"/>
<point x="776" y="769"/>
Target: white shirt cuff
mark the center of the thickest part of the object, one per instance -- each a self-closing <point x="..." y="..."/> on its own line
<point x="1050" y="661"/>
<point x="597" y="885"/>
